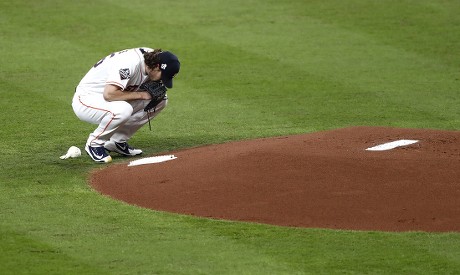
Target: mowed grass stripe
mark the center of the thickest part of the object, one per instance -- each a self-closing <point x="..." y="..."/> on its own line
<point x="285" y="87"/>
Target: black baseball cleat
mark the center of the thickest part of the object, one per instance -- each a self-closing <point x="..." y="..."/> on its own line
<point x="122" y="148"/>
<point x="98" y="154"/>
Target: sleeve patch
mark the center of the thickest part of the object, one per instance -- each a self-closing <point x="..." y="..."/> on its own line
<point x="124" y="74"/>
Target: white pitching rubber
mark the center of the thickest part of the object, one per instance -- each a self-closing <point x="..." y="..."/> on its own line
<point x="151" y="160"/>
<point x="392" y="145"/>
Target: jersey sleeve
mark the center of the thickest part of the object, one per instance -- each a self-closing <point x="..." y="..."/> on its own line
<point x="121" y="71"/>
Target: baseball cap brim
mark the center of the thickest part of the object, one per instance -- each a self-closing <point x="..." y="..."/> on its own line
<point x="170" y="66"/>
<point x="168" y="82"/>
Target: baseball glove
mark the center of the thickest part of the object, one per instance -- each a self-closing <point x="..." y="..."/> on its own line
<point x="156" y="90"/>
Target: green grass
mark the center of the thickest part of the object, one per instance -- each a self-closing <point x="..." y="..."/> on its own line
<point x="249" y="69"/>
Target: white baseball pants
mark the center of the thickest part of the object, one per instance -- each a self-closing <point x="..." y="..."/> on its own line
<point x="118" y="120"/>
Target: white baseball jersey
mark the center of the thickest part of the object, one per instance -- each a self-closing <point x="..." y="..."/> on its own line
<point x="117" y="120"/>
<point x="125" y="69"/>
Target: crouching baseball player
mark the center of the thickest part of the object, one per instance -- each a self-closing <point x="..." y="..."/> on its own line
<point x="121" y="93"/>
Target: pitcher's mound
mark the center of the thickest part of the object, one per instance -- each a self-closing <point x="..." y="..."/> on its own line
<point x="323" y="180"/>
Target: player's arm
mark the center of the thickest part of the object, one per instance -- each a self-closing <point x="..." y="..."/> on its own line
<point x="115" y="93"/>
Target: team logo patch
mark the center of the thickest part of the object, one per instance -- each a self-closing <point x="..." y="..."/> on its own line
<point x="124" y="74"/>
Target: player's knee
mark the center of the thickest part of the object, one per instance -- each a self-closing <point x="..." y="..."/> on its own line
<point x="162" y="105"/>
<point x="124" y="113"/>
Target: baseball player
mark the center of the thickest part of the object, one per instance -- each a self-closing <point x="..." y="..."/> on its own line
<point x="111" y="95"/>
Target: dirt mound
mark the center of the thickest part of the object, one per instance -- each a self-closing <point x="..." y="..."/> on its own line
<point x="323" y="180"/>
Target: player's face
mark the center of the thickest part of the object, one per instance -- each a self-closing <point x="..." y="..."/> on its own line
<point x="155" y="74"/>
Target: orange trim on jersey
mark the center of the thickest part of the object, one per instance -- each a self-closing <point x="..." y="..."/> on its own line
<point x="99" y="109"/>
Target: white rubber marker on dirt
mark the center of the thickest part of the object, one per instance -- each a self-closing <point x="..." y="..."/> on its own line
<point x="392" y="145"/>
<point x="151" y="160"/>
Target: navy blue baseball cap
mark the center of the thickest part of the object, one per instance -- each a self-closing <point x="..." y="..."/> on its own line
<point x="169" y="66"/>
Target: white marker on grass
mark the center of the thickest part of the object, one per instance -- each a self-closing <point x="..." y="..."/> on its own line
<point x="392" y="145"/>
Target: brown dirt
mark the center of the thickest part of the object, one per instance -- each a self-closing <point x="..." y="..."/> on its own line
<point x="322" y="180"/>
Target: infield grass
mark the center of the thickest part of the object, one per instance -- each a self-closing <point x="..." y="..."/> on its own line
<point x="249" y="69"/>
